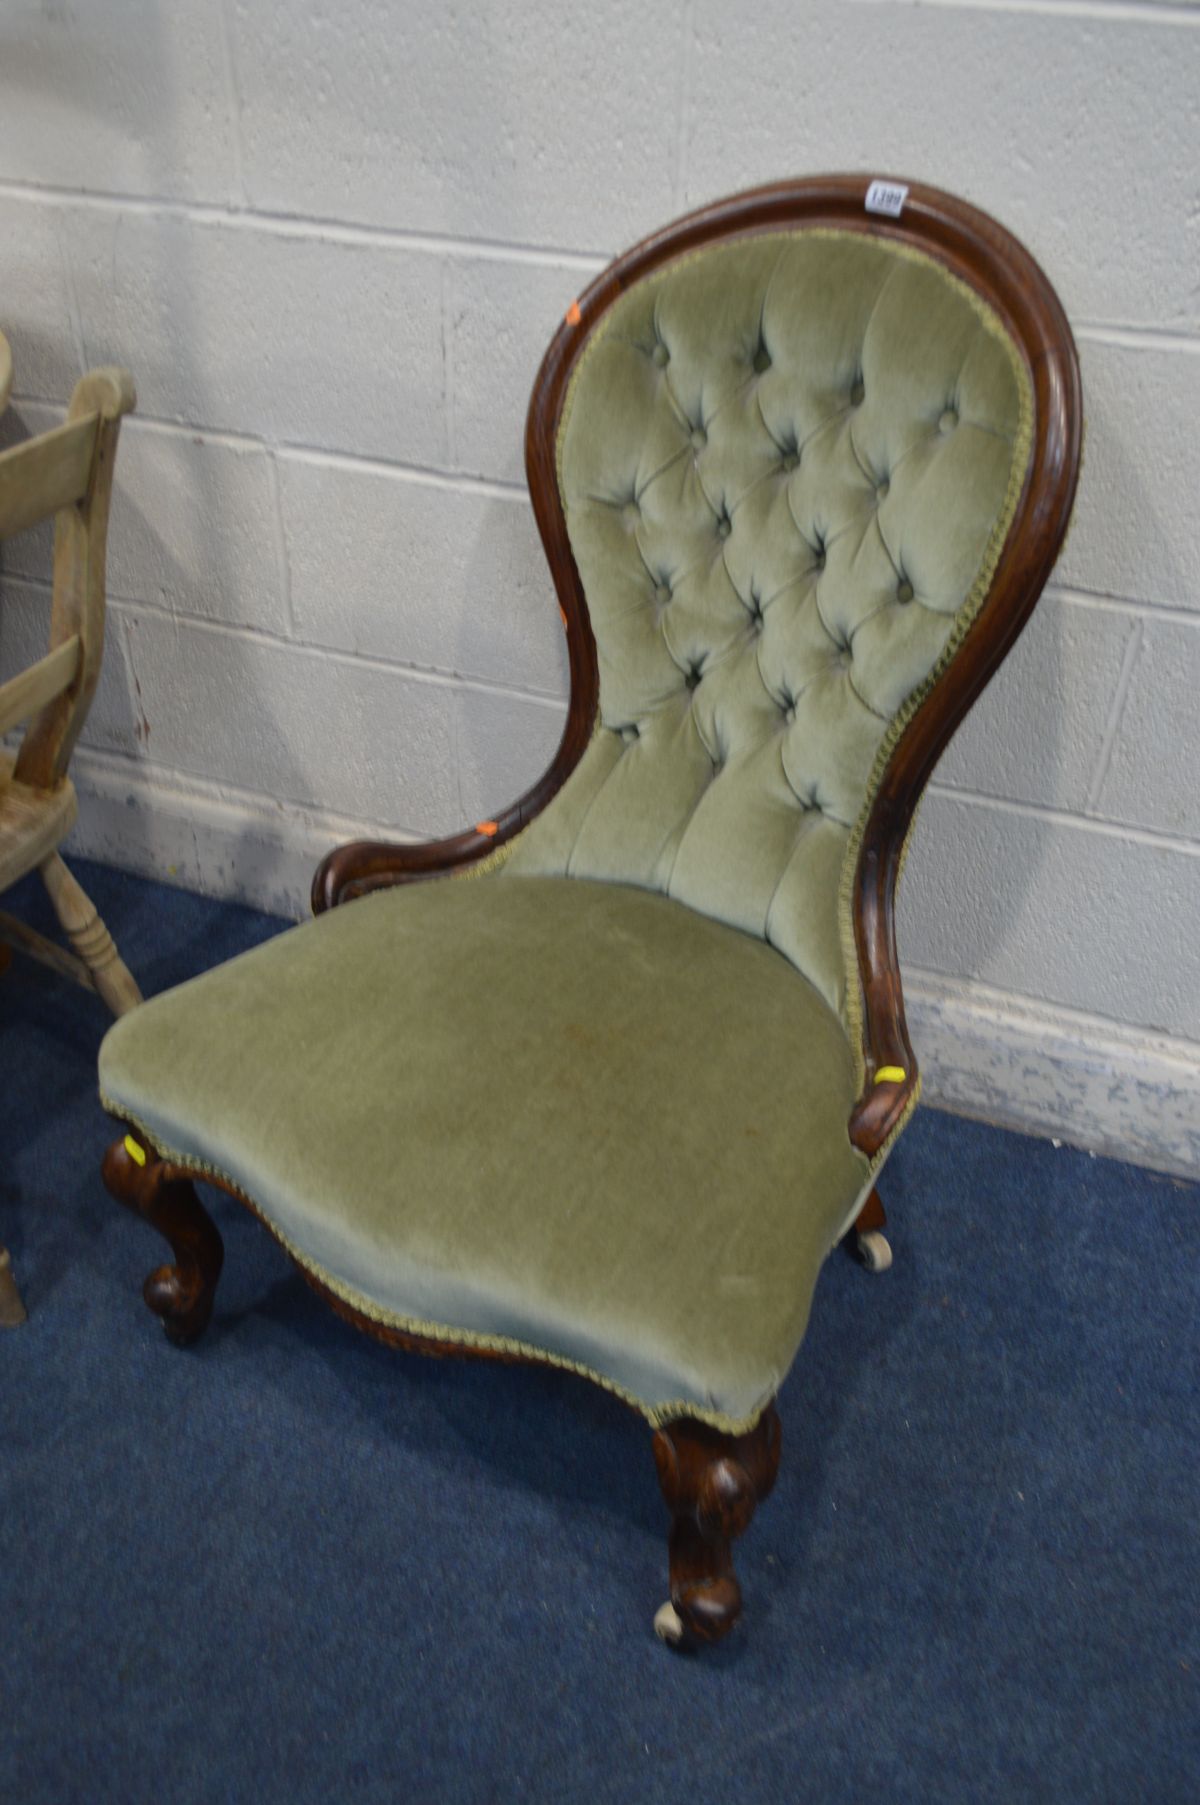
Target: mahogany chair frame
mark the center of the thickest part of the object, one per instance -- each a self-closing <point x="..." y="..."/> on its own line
<point x="712" y="1481"/>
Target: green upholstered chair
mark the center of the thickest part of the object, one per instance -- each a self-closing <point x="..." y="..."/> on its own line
<point x="607" y="1092"/>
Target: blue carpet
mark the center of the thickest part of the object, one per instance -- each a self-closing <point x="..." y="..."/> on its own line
<point x="291" y="1565"/>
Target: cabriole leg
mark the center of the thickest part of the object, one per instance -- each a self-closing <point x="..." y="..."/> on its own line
<point x="181" y="1294"/>
<point x="872" y="1245"/>
<point x="712" y="1484"/>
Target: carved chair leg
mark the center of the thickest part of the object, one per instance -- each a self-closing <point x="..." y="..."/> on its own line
<point x="870" y="1243"/>
<point x="12" y="1310"/>
<point x="89" y="937"/>
<point x="712" y="1483"/>
<point x="181" y="1294"/>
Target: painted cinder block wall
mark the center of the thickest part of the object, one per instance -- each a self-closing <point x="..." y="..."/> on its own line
<point x="332" y="242"/>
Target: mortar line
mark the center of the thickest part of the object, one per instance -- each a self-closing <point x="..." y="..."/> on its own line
<point x="73" y="307"/>
<point x="1101" y="826"/>
<point x="123" y="606"/>
<point x="297" y="452"/>
<point x="431" y="675"/>
<point x="684" y="103"/>
<point x="1152" y="12"/>
<point x="309" y="226"/>
<point x="1116" y="713"/>
<point x="1168" y="612"/>
<point x="282" y="558"/>
<point x="1137" y="338"/>
<point x="233" y="100"/>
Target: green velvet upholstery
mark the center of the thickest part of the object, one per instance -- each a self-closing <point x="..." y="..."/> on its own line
<point x="788" y="464"/>
<point x="576" y="1117"/>
<point x="607" y="1120"/>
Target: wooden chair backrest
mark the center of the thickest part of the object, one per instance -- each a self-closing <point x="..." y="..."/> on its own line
<point x="67" y="473"/>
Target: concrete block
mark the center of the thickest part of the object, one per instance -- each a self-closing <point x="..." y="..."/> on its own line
<point x="1134" y="531"/>
<point x="25" y="637"/>
<point x="1151" y="778"/>
<point x="31" y="553"/>
<point x="297" y="338"/>
<point x="500" y="318"/>
<point x="504" y="745"/>
<point x="413" y="573"/>
<point x="1037" y="732"/>
<point x="35" y="298"/>
<point x="192" y="529"/>
<point x="1068" y="129"/>
<point x="1067" y="914"/>
<point x="128" y="99"/>
<point x="547" y="124"/>
<point x="296" y="726"/>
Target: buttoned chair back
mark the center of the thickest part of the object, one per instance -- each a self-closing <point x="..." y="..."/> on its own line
<point x="800" y="469"/>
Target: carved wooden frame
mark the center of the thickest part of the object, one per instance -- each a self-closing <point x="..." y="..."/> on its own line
<point x="712" y="1481"/>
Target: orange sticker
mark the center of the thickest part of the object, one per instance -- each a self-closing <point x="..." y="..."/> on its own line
<point x="573" y="314"/>
<point x="487" y="827"/>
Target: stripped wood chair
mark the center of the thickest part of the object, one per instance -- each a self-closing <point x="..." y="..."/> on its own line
<point x="65" y="473"/>
<point x="606" y="1094"/>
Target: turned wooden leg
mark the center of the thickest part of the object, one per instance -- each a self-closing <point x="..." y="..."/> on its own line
<point x="12" y="1310"/>
<point x="712" y="1483"/>
<point x="870" y="1243"/>
<point x="181" y="1294"/>
<point x="89" y="937"/>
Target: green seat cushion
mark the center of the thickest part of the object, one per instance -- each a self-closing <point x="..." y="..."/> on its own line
<point x="576" y="1118"/>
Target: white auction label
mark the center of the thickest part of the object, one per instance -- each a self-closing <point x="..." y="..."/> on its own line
<point x="887" y="197"/>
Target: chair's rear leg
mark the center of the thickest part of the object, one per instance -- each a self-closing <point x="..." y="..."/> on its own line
<point x="871" y="1244"/>
<point x="712" y="1483"/>
<point x="12" y="1310"/>
<point x="181" y="1294"/>
<point x="89" y="937"/>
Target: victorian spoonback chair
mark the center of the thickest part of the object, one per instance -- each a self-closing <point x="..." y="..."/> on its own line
<point x="801" y="468"/>
<point x="64" y="474"/>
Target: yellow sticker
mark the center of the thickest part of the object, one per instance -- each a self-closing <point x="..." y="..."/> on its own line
<point x="136" y="1153"/>
<point x="891" y="1074"/>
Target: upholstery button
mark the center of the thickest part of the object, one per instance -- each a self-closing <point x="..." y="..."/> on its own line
<point x="630" y="515"/>
<point x="790" y="460"/>
<point x="762" y="359"/>
<point x="905" y="592"/>
<point x="660" y="356"/>
<point x="662" y="595"/>
<point x="629" y="734"/>
<point x="693" y="676"/>
<point x="819" y="558"/>
<point x="724" y="527"/>
<point x="789" y="713"/>
<point x="881" y="490"/>
<point x="699" y="438"/>
<point x="857" y="392"/>
<point x="949" y="420"/>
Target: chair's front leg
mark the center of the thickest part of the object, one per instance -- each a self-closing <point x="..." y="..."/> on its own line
<point x="712" y="1483"/>
<point x="181" y="1294"/>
